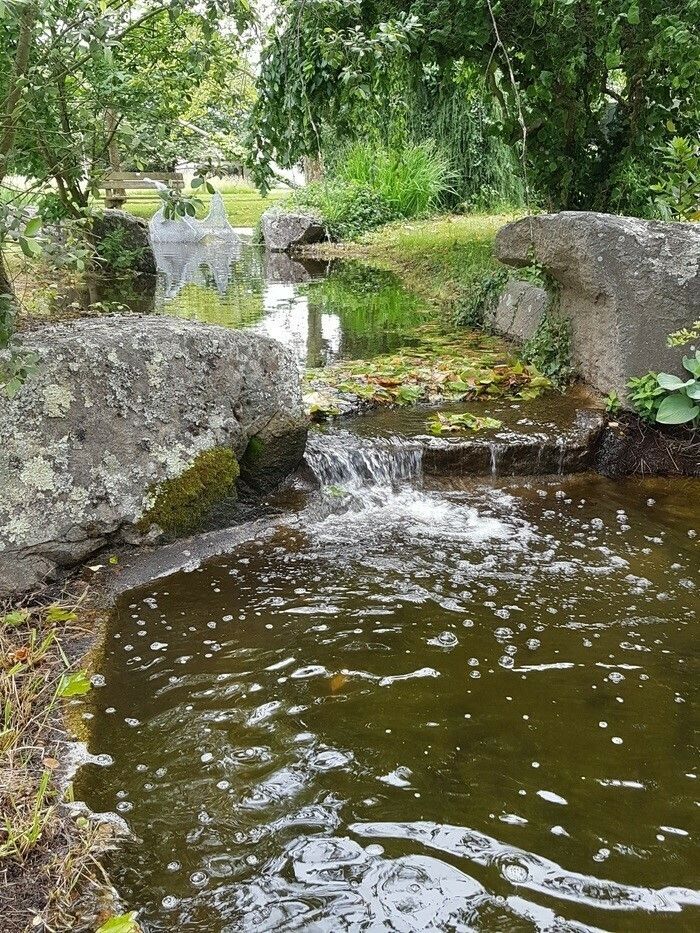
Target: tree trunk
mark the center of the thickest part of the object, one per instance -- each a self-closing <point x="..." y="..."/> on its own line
<point x="8" y="129"/>
<point x="114" y="197"/>
<point x="8" y="304"/>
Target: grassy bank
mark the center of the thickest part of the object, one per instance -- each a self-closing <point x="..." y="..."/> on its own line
<point x="244" y="206"/>
<point x="49" y="877"/>
<point x="440" y="259"/>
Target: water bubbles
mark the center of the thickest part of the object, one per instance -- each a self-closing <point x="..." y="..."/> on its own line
<point x="444" y="640"/>
<point x="601" y="855"/>
<point x="616" y="740"/>
<point x="615" y="677"/>
<point x="533" y="644"/>
<point x="199" y="878"/>
<point x="173" y="866"/>
<point x="506" y="661"/>
<point x="206" y="757"/>
<point x="169" y="902"/>
<point x="124" y="806"/>
<point x="515" y="873"/>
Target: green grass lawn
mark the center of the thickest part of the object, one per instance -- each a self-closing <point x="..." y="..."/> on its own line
<point x="243" y="205"/>
<point x="439" y="258"/>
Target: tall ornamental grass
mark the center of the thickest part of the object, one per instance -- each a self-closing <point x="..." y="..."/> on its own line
<point x="413" y="180"/>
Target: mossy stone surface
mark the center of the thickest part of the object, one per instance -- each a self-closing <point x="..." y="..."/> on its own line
<point x="184" y="504"/>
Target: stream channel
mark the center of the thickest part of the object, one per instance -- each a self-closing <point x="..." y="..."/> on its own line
<point x="413" y="702"/>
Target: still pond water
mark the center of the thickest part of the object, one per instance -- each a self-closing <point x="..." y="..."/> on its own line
<point x="414" y="704"/>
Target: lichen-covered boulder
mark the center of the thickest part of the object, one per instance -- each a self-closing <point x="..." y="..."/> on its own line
<point x="132" y="427"/>
<point x="286" y="230"/>
<point x="625" y="284"/>
<point x="122" y="243"/>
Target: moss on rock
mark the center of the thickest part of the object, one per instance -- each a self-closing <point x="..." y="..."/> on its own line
<point x="183" y="504"/>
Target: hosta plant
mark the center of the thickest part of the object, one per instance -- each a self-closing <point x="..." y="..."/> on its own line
<point x="681" y="404"/>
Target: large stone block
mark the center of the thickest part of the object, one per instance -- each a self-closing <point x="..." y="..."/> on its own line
<point x="519" y="310"/>
<point x="286" y="230"/>
<point x="128" y="232"/>
<point x="119" y="410"/>
<point x="625" y="285"/>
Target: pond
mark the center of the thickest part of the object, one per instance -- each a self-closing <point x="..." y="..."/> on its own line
<point x="413" y="703"/>
<point x="323" y="310"/>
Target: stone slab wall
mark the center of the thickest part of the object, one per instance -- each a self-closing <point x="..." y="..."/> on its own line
<point x="625" y="285"/>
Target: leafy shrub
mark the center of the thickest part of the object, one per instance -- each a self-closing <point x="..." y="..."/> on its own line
<point x="374" y="185"/>
<point x="678" y="192"/>
<point x="481" y="299"/>
<point x="347" y="209"/>
<point x="645" y="395"/>
<point x="113" y="252"/>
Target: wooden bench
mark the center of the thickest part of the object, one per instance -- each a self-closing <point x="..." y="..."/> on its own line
<point x="116" y="184"/>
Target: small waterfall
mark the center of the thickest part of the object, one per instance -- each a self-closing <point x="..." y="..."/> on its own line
<point x="344" y="459"/>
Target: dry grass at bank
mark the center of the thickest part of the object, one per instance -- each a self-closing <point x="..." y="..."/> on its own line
<point x="49" y="875"/>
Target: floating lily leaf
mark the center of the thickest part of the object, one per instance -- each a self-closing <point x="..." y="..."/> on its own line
<point x="452" y="422"/>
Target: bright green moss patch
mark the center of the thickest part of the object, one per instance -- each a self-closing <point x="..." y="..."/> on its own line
<point x="183" y="504"/>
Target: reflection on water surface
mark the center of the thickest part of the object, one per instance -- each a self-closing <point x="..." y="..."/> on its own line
<point x="323" y="311"/>
<point x="464" y="706"/>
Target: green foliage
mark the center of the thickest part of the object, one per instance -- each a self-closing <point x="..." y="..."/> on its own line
<point x="612" y="403"/>
<point x="645" y="395"/>
<point x="374" y="185"/>
<point x="685" y="335"/>
<point x="15" y="371"/>
<point x="581" y="92"/>
<point x="678" y="191"/>
<point x="323" y="66"/>
<point x="413" y="180"/>
<point x="549" y="348"/>
<point x="113" y="252"/>
<point x="182" y="505"/>
<point x="443" y="422"/>
<point x="347" y="210"/>
<point x="668" y="399"/>
<point x="75" y="684"/>
<point x="474" y="309"/>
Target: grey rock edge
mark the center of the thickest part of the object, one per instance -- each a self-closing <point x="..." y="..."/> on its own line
<point x="134" y="237"/>
<point x="115" y="407"/>
<point x="570" y="450"/>
<point x="283" y="231"/>
<point x="625" y="285"/>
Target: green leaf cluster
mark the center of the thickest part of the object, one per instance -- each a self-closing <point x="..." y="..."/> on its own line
<point x="668" y="399"/>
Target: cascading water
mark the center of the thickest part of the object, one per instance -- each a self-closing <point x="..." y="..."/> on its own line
<point x="344" y="459"/>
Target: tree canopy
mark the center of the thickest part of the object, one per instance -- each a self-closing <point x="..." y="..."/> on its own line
<point x="586" y="92"/>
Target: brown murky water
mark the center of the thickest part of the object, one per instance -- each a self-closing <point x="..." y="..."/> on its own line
<point x="458" y="707"/>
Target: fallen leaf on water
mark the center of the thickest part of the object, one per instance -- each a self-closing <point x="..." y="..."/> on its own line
<point x="337" y="682"/>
